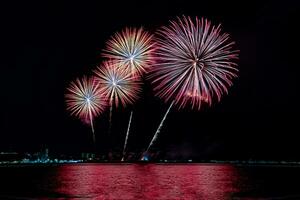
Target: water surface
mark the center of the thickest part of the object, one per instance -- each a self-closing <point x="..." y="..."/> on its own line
<point x="149" y="182"/>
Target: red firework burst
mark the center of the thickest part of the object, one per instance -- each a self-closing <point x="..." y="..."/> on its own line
<point x="196" y="62"/>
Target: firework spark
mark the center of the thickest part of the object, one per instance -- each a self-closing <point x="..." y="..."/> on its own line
<point x="196" y="62"/>
<point x="133" y="49"/>
<point x="84" y="100"/>
<point x="117" y="85"/>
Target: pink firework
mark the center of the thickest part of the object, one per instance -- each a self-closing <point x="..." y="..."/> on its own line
<point x="133" y="49"/>
<point x="116" y="85"/>
<point x="196" y="62"/>
<point x="84" y="100"/>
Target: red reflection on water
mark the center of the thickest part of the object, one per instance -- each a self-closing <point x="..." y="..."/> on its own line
<point x="153" y="181"/>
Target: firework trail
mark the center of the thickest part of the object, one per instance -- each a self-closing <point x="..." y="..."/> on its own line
<point x="85" y="101"/>
<point x="133" y="49"/>
<point x="116" y="85"/>
<point x="127" y="134"/>
<point x="196" y="63"/>
<point x="110" y="116"/>
<point x="159" y="127"/>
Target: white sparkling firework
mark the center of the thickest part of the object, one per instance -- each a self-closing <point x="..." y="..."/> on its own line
<point x="84" y="100"/>
<point x="116" y="85"/>
<point x="133" y="49"/>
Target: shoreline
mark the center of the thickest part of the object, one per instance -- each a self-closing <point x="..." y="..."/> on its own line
<point x="236" y="163"/>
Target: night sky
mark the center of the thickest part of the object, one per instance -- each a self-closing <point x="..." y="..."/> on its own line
<point x="44" y="46"/>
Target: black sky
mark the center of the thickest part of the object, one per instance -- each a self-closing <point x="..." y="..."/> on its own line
<point x="46" y="45"/>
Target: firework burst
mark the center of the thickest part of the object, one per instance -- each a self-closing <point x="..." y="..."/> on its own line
<point x="117" y="85"/>
<point x="84" y="100"/>
<point x="133" y="49"/>
<point x="196" y="62"/>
